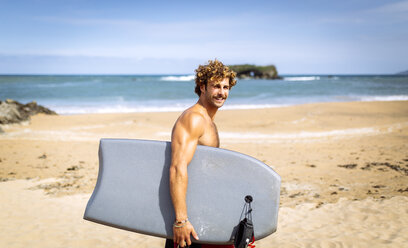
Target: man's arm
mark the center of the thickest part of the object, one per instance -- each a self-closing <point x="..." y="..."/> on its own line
<point x="186" y="132"/>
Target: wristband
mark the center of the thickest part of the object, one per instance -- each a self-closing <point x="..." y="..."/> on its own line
<point x="179" y="224"/>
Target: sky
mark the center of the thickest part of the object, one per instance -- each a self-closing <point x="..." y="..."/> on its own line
<point x="174" y="37"/>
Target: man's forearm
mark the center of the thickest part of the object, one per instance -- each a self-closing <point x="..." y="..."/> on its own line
<point x="178" y="191"/>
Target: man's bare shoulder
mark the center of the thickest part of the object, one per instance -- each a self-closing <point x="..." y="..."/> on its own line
<point x="192" y="114"/>
<point x="192" y="119"/>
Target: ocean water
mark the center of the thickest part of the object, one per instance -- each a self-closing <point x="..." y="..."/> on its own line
<point x="73" y="94"/>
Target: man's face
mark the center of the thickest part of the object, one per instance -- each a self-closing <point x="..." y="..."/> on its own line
<point x="216" y="92"/>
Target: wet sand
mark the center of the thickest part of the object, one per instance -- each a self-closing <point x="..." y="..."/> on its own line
<point x="344" y="169"/>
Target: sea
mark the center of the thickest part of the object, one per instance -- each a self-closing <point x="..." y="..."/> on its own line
<point x="82" y="94"/>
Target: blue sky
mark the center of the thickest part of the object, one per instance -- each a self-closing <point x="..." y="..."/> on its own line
<point x="173" y="37"/>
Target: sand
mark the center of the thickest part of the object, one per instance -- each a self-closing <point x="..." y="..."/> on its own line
<point x="344" y="169"/>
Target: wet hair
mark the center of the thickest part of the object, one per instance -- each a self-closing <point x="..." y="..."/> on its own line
<point x="214" y="71"/>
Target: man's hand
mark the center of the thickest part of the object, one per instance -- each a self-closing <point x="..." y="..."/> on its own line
<point x="181" y="235"/>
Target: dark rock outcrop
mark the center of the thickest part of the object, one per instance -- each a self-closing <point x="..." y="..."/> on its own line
<point x="256" y="72"/>
<point x="403" y="73"/>
<point x="14" y="112"/>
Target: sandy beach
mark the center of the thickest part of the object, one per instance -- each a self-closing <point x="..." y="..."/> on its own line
<point x="344" y="169"/>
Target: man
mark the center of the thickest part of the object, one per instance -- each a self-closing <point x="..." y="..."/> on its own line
<point x="195" y="126"/>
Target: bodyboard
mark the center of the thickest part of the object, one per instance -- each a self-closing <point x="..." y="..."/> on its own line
<point x="132" y="190"/>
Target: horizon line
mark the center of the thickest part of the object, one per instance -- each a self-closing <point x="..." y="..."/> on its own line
<point x="185" y="74"/>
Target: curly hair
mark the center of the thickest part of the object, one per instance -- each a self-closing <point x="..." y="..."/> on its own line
<point x="214" y="71"/>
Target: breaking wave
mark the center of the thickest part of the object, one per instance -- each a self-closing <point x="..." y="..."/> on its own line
<point x="178" y="78"/>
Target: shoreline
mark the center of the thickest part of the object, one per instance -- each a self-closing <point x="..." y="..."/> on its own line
<point x="238" y="107"/>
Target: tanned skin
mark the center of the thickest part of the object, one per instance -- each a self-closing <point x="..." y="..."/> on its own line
<point x="195" y="126"/>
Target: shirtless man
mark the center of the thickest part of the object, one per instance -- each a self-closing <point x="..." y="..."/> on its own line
<point x="195" y="126"/>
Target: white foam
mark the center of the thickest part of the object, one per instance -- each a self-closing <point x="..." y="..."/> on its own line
<point x="180" y="106"/>
<point x="384" y="98"/>
<point x="309" y="78"/>
<point x="70" y="110"/>
<point x="178" y="78"/>
<point x="55" y="85"/>
<point x="116" y="109"/>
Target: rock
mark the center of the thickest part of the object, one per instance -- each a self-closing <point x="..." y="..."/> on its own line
<point x="44" y="156"/>
<point x="256" y="72"/>
<point x="348" y="166"/>
<point x="34" y="109"/>
<point x="403" y="73"/>
<point x="14" y="112"/>
<point x="9" y="113"/>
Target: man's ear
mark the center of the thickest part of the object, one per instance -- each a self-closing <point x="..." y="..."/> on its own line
<point x="203" y="88"/>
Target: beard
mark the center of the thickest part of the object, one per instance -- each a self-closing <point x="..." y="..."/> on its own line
<point x="212" y="100"/>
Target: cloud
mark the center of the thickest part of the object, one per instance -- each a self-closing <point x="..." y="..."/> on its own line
<point x="171" y="30"/>
<point x="224" y="36"/>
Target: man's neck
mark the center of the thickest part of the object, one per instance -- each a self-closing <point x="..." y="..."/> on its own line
<point x="210" y="110"/>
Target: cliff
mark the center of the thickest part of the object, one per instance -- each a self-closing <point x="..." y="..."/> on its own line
<point x="257" y="72"/>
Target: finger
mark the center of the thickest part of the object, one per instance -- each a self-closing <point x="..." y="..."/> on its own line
<point x="182" y="244"/>
<point x="194" y="234"/>
<point x="188" y="241"/>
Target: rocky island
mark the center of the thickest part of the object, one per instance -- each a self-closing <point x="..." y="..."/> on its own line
<point x="255" y="72"/>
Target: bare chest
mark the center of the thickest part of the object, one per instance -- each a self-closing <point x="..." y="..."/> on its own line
<point x="210" y="136"/>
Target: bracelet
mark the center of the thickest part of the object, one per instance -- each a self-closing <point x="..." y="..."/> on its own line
<point x="179" y="224"/>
